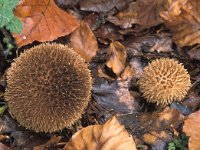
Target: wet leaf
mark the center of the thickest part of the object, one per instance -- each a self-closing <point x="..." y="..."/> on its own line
<point x="3" y="147"/>
<point x="182" y="18"/>
<point x="84" y="42"/>
<point x="192" y="129"/>
<point x="116" y="57"/>
<point x="194" y="53"/>
<point x="67" y="2"/>
<point x="126" y="18"/>
<point x="53" y="140"/>
<point x="102" y="5"/>
<point x="154" y="128"/>
<point x="43" y="22"/>
<point x="115" y="95"/>
<point x="148" y="43"/>
<point x="111" y="135"/>
<point x="108" y="32"/>
<point x="148" y="12"/>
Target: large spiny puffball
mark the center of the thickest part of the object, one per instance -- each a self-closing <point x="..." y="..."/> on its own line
<point x="164" y="81"/>
<point x="48" y="87"/>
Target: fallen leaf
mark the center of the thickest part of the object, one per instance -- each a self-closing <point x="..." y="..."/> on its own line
<point x="109" y="136"/>
<point x="194" y="53"/>
<point x="102" y="5"/>
<point x="84" y="42"/>
<point x="148" y="43"/>
<point x="192" y="129"/>
<point x="148" y="12"/>
<point x="3" y="147"/>
<point x="157" y="140"/>
<point x="108" y="32"/>
<point x="67" y="2"/>
<point x="126" y="18"/>
<point x="53" y="140"/>
<point x="43" y="22"/>
<point x="116" y="96"/>
<point x="116" y="57"/>
<point x="182" y="18"/>
<point x="154" y="128"/>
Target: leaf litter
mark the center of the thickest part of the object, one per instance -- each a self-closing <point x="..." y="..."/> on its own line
<point x="117" y="39"/>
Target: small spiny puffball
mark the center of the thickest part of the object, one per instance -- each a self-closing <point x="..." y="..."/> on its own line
<point x="48" y="87"/>
<point x="164" y="81"/>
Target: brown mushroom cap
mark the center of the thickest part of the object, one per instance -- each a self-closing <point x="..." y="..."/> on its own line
<point x="48" y="87"/>
<point x="164" y="81"/>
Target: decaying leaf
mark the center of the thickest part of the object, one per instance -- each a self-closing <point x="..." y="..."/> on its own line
<point x="182" y="18"/>
<point x="42" y="21"/>
<point x="102" y="5"/>
<point x="116" y="96"/>
<point x="194" y="53"/>
<point x="148" y="12"/>
<point x="148" y="43"/>
<point x="154" y="127"/>
<point x="192" y="129"/>
<point x="110" y="136"/>
<point x="84" y="42"/>
<point x="116" y="57"/>
<point x="3" y="147"/>
<point x="126" y="18"/>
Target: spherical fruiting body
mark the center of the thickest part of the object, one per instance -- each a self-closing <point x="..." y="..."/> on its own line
<point x="164" y="81"/>
<point x="48" y="87"/>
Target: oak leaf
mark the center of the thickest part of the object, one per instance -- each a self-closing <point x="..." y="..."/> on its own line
<point x="192" y="129"/>
<point x="116" y="57"/>
<point x="109" y="136"/>
<point x="42" y="21"/>
<point x="182" y="18"/>
<point x="84" y="42"/>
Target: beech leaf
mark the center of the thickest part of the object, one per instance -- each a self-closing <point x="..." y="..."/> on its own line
<point x="148" y="12"/>
<point x="110" y="136"/>
<point x="42" y="21"/>
<point x="116" y="57"/>
<point x="192" y="129"/>
<point x="84" y="42"/>
<point x="182" y="18"/>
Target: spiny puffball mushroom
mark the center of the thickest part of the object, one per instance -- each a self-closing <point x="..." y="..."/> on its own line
<point x="48" y="87"/>
<point x="164" y="81"/>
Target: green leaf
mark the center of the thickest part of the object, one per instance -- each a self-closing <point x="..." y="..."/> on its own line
<point x="5" y="16"/>
<point x="15" y="25"/>
<point x="8" y="4"/>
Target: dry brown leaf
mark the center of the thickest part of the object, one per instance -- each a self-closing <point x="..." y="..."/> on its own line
<point x="116" y="57"/>
<point x="192" y="129"/>
<point x="42" y="21"/>
<point x="148" y="12"/>
<point x="110" y="136"/>
<point x="182" y="18"/>
<point x="126" y="18"/>
<point x="84" y="42"/>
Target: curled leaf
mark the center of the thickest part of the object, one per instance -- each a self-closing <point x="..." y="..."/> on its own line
<point x="84" y="42"/>
<point x="182" y="18"/>
<point x="192" y="129"/>
<point x="43" y="22"/>
<point x="126" y="18"/>
<point x="109" y="136"/>
<point x="116" y="57"/>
